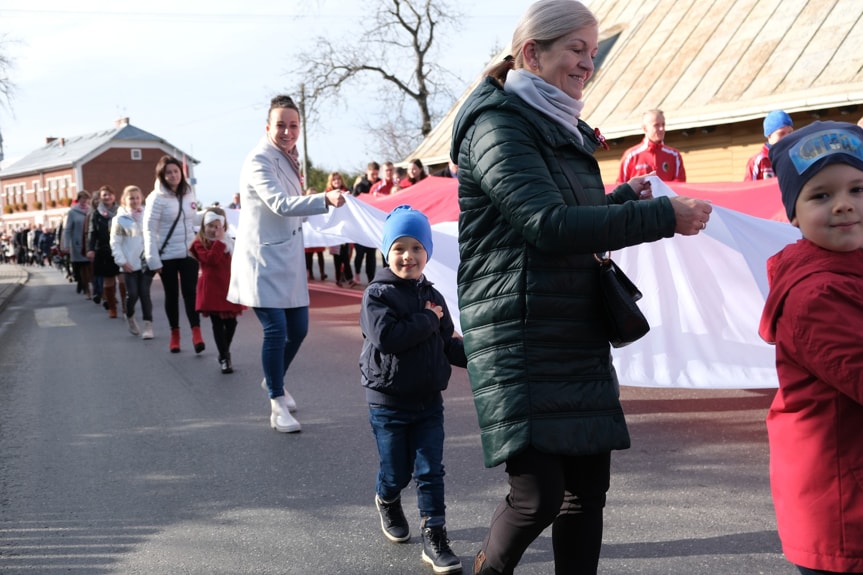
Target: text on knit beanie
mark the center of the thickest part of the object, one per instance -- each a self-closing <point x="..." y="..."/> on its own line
<point x="804" y="152"/>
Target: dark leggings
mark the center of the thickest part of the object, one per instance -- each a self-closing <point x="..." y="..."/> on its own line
<point x="566" y="492"/>
<point x="223" y="334"/>
<point x="180" y="275"/>
<point x="138" y="288"/>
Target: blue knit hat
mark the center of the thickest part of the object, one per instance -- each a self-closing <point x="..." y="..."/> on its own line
<point x="775" y="120"/>
<point x="804" y="152"/>
<point x="406" y="221"/>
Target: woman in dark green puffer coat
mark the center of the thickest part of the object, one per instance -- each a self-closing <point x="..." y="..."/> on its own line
<point x="533" y="213"/>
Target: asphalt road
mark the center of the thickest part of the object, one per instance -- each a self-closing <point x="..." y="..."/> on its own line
<point x="117" y="457"/>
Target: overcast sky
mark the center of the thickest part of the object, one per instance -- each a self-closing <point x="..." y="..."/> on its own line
<point x="200" y="73"/>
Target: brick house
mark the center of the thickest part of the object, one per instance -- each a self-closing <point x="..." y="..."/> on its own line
<point x="40" y="187"/>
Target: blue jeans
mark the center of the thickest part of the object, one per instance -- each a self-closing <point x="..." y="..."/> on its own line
<point x="284" y="331"/>
<point x="806" y="571"/>
<point x="410" y="443"/>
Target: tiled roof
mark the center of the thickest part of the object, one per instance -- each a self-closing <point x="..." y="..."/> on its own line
<point x="66" y="152"/>
<point x="711" y="63"/>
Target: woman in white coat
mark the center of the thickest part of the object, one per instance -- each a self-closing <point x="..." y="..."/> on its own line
<point x="169" y="229"/>
<point x="268" y="269"/>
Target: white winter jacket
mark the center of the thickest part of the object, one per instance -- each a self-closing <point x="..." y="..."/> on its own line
<point x="159" y="214"/>
<point x="127" y="239"/>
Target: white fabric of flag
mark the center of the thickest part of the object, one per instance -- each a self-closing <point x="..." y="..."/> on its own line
<point x="703" y="294"/>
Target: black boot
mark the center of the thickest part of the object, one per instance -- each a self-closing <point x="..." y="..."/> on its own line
<point x="436" y="550"/>
<point x="393" y="521"/>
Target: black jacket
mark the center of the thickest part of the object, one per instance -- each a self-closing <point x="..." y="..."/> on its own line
<point x="407" y="350"/>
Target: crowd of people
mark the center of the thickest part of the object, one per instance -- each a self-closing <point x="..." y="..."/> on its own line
<point x="535" y="223"/>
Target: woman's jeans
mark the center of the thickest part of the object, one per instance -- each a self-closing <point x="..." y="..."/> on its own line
<point x="138" y="288"/>
<point x="410" y="444"/>
<point x="567" y="492"/>
<point x="284" y="331"/>
<point x="180" y="275"/>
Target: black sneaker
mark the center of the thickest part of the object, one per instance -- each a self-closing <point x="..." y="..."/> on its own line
<point x="393" y="522"/>
<point x="436" y="551"/>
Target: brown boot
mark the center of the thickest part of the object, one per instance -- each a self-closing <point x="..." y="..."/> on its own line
<point x="111" y="297"/>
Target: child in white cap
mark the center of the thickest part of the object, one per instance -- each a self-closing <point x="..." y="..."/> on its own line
<point x="212" y="248"/>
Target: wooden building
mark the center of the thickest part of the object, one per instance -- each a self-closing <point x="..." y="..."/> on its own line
<point x="715" y="69"/>
<point x="40" y="187"/>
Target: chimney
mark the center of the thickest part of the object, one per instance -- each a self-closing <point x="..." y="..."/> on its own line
<point x="49" y="139"/>
<point x="120" y="122"/>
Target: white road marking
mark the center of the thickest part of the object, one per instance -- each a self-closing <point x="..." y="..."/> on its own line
<point x="53" y="317"/>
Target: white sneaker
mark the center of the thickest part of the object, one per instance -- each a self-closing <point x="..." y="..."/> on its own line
<point x="290" y="403"/>
<point x="148" y="330"/>
<point x="281" y="420"/>
<point x="133" y="326"/>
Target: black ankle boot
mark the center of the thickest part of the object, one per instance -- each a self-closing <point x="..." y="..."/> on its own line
<point x="436" y="550"/>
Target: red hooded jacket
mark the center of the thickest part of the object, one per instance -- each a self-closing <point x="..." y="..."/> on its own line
<point x="814" y="315"/>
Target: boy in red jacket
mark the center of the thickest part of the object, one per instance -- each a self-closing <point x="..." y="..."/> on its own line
<point x="813" y="315"/>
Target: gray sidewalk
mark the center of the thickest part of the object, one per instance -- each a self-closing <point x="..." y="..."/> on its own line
<point x="12" y="277"/>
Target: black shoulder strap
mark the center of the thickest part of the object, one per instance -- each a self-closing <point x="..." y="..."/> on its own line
<point x="173" y="226"/>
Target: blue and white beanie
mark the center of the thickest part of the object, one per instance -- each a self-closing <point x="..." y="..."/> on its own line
<point x="804" y="152"/>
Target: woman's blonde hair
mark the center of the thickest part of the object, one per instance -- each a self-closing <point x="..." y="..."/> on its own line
<point x="544" y="22"/>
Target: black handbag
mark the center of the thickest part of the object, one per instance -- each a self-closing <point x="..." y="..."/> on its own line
<point x="624" y="319"/>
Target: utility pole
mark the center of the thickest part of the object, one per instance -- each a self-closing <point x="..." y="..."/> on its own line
<point x="305" y="145"/>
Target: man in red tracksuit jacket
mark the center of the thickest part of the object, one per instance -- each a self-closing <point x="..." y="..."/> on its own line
<point x="652" y="155"/>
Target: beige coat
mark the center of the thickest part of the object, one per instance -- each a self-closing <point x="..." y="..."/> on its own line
<point x="269" y="268"/>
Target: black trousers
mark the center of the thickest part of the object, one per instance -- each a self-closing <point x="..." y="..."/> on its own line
<point x="177" y="276"/>
<point x="566" y="492"/>
<point x="367" y="253"/>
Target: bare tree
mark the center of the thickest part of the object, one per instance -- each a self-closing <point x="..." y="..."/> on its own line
<point x="397" y="49"/>
<point x="6" y="85"/>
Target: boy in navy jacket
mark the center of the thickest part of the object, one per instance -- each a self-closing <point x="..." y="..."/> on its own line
<point x="409" y="345"/>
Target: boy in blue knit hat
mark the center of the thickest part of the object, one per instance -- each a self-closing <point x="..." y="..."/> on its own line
<point x="813" y="314"/>
<point x="777" y="125"/>
<point x="409" y="344"/>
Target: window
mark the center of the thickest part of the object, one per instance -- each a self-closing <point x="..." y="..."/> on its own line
<point x="136" y="153"/>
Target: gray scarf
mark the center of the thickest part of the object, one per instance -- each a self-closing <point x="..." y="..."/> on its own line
<point x="545" y="97"/>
